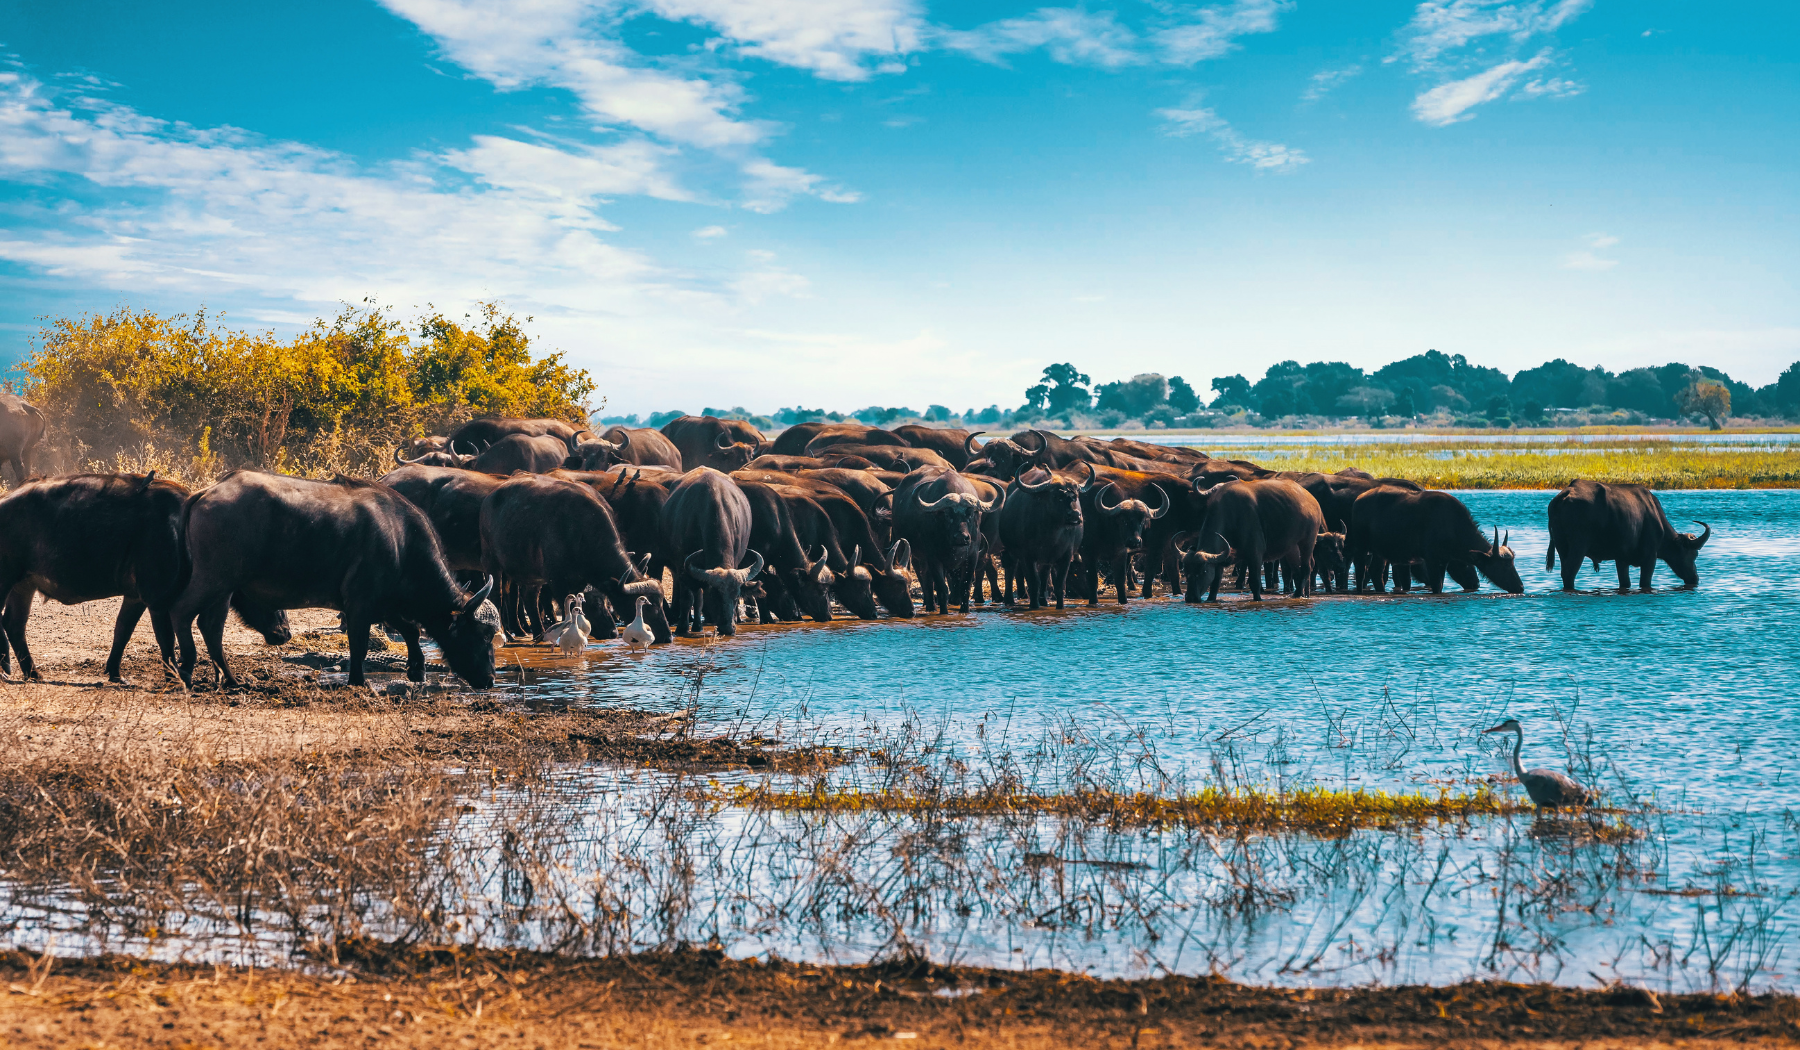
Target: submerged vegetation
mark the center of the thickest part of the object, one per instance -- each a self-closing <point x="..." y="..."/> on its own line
<point x="1315" y="810"/>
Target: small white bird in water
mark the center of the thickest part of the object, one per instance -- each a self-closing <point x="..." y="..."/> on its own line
<point x="1547" y="788"/>
<point x="638" y="636"/>
<point x="572" y="633"/>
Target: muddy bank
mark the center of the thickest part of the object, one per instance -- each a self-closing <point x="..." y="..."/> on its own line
<point x="696" y="998"/>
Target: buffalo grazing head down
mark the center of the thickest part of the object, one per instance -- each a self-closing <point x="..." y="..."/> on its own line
<point x="1684" y="551"/>
<point x="728" y="583"/>
<point x="467" y="641"/>
<point x="1201" y="567"/>
<point x="1496" y="563"/>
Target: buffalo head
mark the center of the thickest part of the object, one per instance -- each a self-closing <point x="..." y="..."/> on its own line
<point x="1330" y="560"/>
<point x="467" y="640"/>
<point x="727" y="583"/>
<point x="1061" y="497"/>
<point x="1496" y="563"/>
<point x="885" y="581"/>
<point x="1201" y="568"/>
<point x="440" y="458"/>
<point x="735" y="453"/>
<point x="1130" y="516"/>
<point x="1683" y="550"/>
<point x="595" y="453"/>
<point x="958" y="514"/>
<point x="810" y="585"/>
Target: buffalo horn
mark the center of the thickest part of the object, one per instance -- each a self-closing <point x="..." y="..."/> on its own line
<point x="398" y="458"/>
<point x="896" y="560"/>
<point x="1166" y="502"/>
<point x="479" y="596"/>
<point x="698" y="574"/>
<point x="1496" y="537"/>
<point x="970" y="449"/>
<point x="1100" y="499"/>
<point x="624" y="440"/>
<point x="821" y="568"/>
<point x="998" y="500"/>
<point x="724" y="439"/>
<point x="1042" y="444"/>
<point x="933" y="504"/>
<point x="1093" y="476"/>
<point x="754" y="571"/>
<point x="1022" y="483"/>
<point x="642" y="589"/>
<point x="1700" y="540"/>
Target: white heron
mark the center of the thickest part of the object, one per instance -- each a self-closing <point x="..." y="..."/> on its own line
<point x="637" y="635"/>
<point x="572" y="633"/>
<point x="1548" y="789"/>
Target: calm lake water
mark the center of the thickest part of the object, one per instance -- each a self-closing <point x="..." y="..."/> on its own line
<point x="1682" y="702"/>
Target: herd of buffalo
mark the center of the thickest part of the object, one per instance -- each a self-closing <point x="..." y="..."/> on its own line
<point x="525" y="511"/>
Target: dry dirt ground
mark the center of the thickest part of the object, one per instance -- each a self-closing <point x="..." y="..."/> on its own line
<point x="697" y="998"/>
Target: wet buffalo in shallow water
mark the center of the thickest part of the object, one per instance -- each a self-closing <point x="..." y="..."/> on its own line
<point x="793" y="582"/>
<point x="1114" y="531"/>
<point x="706" y="535"/>
<point x="90" y="536"/>
<point x="1398" y="525"/>
<point x="938" y="512"/>
<point x="354" y="546"/>
<point x="1040" y="527"/>
<point x="1623" y="524"/>
<point x="1250" y="523"/>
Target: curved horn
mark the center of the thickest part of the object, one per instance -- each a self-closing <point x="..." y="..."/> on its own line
<point x="999" y="500"/>
<point x="1496" y="537"/>
<point x="399" y="460"/>
<point x="1100" y="498"/>
<point x="1700" y="541"/>
<point x="1042" y="444"/>
<point x="856" y="556"/>
<point x="1093" y="476"/>
<point x="969" y="447"/>
<point x="698" y="574"/>
<point x="1166" y="502"/>
<point x="1022" y="483"/>
<point x="725" y="439"/>
<point x="574" y="443"/>
<point x="895" y="560"/>
<point x="480" y="596"/>
<point x="933" y="504"/>
<point x="624" y="440"/>
<point x="755" y="570"/>
<point x="820" y="570"/>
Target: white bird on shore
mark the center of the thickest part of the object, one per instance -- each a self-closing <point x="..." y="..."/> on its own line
<point x="572" y="633"/>
<point x="638" y="636"/>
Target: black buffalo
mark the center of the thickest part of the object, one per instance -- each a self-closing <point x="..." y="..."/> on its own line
<point x="354" y="546"/>
<point x="1250" y="523"/>
<point x="531" y="453"/>
<point x="644" y="447"/>
<point x="952" y="443"/>
<point x="451" y="500"/>
<point x="478" y="434"/>
<point x="547" y="532"/>
<point x="1112" y="532"/>
<point x="1040" y="527"/>
<point x="21" y="430"/>
<point x="90" y="536"/>
<point x="1624" y="524"/>
<point x="1396" y="525"/>
<point x="938" y="512"/>
<point x="706" y="441"/>
<point x="706" y="534"/>
<point x="789" y="577"/>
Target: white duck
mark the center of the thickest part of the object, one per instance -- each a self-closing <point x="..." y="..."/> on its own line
<point x="572" y="633"/>
<point x="638" y="636"/>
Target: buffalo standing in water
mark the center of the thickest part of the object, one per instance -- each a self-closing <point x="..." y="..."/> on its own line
<point x="1040" y="529"/>
<point x="1256" y="521"/>
<point x="354" y="546"/>
<point x="1397" y="525"/>
<point x="706" y="529"/>
<point x="1623" y="524"/>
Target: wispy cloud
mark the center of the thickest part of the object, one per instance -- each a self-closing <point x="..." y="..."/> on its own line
<point x="1325" y="82"/>
<point x="1197" y="34"/>
<point x="1264" y="156"/>
<point x="833" y="39"/>
<point x="1448" y="37"/>
<point x="710" y="233"/>
<point x="1451" y="102"/>
<point x="1586" y="259"/>
<point x="1069" y="35"/>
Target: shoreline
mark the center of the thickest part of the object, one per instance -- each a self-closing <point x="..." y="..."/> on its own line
<point x="437" y="997"/>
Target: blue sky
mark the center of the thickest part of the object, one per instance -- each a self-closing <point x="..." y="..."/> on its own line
<point x="845" y="202"/>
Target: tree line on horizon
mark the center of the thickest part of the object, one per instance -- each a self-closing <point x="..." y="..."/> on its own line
<point x="1435" y="387"/>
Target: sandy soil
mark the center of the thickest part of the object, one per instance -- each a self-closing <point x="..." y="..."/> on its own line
<point x="697" y="999"/>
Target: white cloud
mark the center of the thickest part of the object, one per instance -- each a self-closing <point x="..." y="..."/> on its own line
<point x="1070" y="35"/>
<point x="1450" y="103"/>
<point x="1263" y="156"/>
<point x="577" y="175"/>
<point x="1554" y="87"/>
<point x="1587" y="259"/>
<point x="707" y="233"/>
<point x="834" y="39"/>
<point x="771" y="186"/>
<point x="1325" y="82"/>
<point x="1442" y="26"/>
<point x="1213" y="31"/>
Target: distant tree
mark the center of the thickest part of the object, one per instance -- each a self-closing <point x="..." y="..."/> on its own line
<point x="1559" y="382"/>
<point x="1231" y="391"/>
<point x="657" y="420"/>
<point x="1182" y="397"/>
<point x="989" y="415"/>
<point x="1276" y="393"/>
<point x="1365" y="401"/>
<point x="1787" y="391"/>
<point x="1531" y="412"/>
<point x="1133" y="396"/>
<point x="937" y="414"/>
<point x="1403" y="404"/>
<point x="1063" y="389"/>
<point x="1499" y="407"/>
<point x="1705" y="397"/>
<point x="1639" y="390"/>
<point x="1424" y="373"/>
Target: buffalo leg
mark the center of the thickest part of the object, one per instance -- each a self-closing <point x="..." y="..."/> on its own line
<point x="415" y="656"/>
<point x="130" y="611"/>
<point x="1434" y="576"/>
<point x="1624" y="568"/>
<point x="1123" y="583"/>
<point x="212" y="631"/>
<point x="1062" y="583"/>
<point x="164" y="630"/>
<point x="1572" y="558"/>
<point x="15" y="617"/>
<point x="357" y="631"/>
<point x="1646" y="572"/>
<point x="965" y="577"/>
